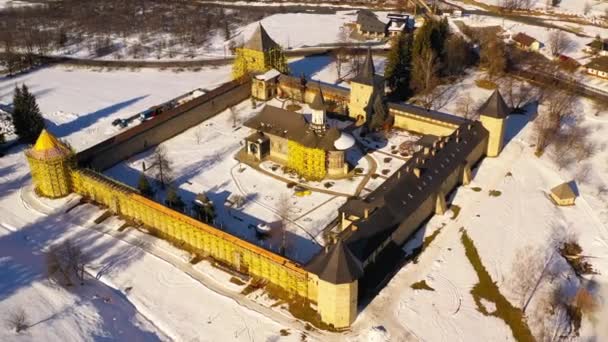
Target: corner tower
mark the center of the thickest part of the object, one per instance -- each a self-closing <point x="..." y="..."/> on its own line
<point x="259" y="54"/>
<point x="493" y="115"/>
<point x="363" y="88"/>
<point x="50" y="162"/>
<point x="338" y="271"/>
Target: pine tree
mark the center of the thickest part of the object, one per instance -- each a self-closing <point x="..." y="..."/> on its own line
<point x="398" y="69"/>
<point x="27" y="120"/>
<point x="144" y="186"/>
<point x="174" y="200"/>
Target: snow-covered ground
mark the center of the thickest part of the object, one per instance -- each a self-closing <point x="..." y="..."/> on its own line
<point x="572" y="7"/>
<point x="80" y="104"/>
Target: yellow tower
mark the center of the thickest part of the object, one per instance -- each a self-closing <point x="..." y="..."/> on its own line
<point x="50" y="162"/>
<point x="259" y="54"/>
<point x="338" y="271"/>
<point x="363" y="89"/>
<point x="493" y="116"/>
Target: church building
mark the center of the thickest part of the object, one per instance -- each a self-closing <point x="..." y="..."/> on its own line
<point x="312" y="149"/>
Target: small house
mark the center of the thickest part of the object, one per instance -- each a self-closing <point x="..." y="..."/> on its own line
<point x="598" y="67"/>
<point x="563" y="194"/>
<point x="368" y="24"/>
<point x="598" y="47"/>
<point x="397" y="24"/>
<point x="525" y="42"/>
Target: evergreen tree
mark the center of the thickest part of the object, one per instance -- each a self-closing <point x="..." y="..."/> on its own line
<point x="27" y="120"/>
<point x="398" y="68"/>
<point x="174" y="200"/>
<point x="144" y="186"/>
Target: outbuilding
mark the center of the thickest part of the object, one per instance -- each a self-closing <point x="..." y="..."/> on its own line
<point x="563" y="194"/>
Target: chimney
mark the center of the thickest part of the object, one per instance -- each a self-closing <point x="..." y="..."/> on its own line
<point x="417" y="172"/>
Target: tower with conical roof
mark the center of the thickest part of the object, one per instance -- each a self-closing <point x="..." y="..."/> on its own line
<point x="50" y="162"/>
<point x="493" y="116"/>
<point x="338" y="272"/>
<point x="258" y="55"/>
<point x="363" y="88"/>
<point x="317" y="107"/>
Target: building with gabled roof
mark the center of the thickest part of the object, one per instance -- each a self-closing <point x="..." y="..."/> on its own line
<point x="598" y="67"/>
<point x="368" y="24"/>
<point x="563" y="194"/>
<point x="525" y="42"/>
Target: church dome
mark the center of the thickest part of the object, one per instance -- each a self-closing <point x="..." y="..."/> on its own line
<point x="344" y="142"/>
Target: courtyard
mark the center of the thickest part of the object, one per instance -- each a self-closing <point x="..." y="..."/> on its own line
<point x="244" y="196"/>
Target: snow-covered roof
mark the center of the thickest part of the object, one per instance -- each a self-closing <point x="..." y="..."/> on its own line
<point x="268" y="75"/>
<point x="344" y="142"/>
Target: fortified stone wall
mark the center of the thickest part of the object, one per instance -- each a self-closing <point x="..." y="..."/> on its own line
<point x="424" y="124"/>
<point x="194" y="235"/>
<point x="164" y="126"/>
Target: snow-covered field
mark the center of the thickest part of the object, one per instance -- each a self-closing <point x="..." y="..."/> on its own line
<point x="80" y="104"/>
<point x="574" y="7"/>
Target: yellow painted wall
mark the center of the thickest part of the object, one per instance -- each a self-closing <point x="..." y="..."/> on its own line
<point x="496" y="128"/>
<point x="422" y="125"/>
<point x="193" y="234"/>
<point x="246" y="61"/>
<point x="307" y="162"/>
<point x="337" y="304"/>
<point x="359" y="98"/>
<point x="51" y="178"/>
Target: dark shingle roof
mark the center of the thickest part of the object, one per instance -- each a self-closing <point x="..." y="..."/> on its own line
<point x="317" y="102"/>
<point x="403" y="193"/>
<point x="524" y="39"/>
<point x="336" y="264"/>
<point x="369" y="22"/>
<point x="292" y="126"/>
<point x="495" y="107"/>
<point x="260" y="40"/>
<point x="367" y="74"/>
<point x="599" y="63"/>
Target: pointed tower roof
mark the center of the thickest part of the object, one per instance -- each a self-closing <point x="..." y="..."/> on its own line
<point x="47" y="146"/>
<point x="367" y="73"/>
<point x="336" y="265"/>
<point x="495" y="107"/>
<point x="260" y="40"/>
<point x="318" y="103"/>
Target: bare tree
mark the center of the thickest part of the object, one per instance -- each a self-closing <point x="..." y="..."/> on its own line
<point x="493" y="56"/>
<point x="426" y="79"/>
<point x="161" y="164"/>
<point x="340" y="55"/>
<point x="65" y="264"/>
<point x="518" y="93"/>
<point x="198" y="135"/>
<point x="467" y="107"/>
<point x="234" y="116"/>
<point x="559" y="108"/>
<point x="587" y="8"/>
<point x="284" y="212"/>
<point x="559" y="42"/>
<point x="535" y="263"/>
<point x="17" y="320"/>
